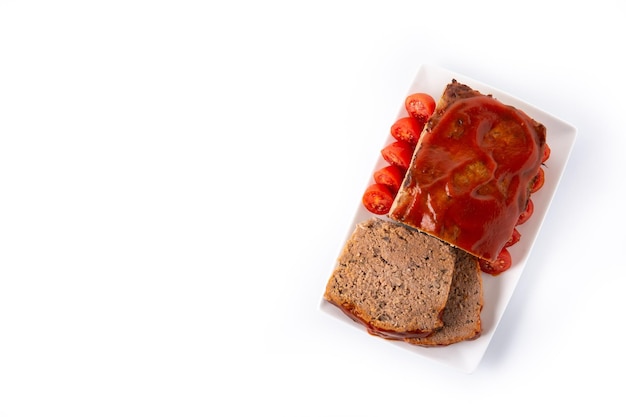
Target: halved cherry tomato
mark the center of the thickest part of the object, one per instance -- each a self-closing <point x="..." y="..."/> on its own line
<point x="420" y="105"/>
<point x="501" y="264"/>
<point x="515" y="237"/>
<point x="546" y="153"/>
<point x="539" y="180"/>
<point x="391" y="176"/>
<point x="398" y="153"/>
<point x="407" y="129"/>
<point x="378" y="198"/>
<point x="530" y="207"/>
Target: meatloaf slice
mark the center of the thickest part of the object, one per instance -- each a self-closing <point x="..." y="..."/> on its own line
<point x="461" y="317"/>
<point x="471" y="173"/>
<point x="393" y="279"/>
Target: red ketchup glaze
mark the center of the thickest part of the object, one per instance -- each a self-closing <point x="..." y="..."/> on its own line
<point x="471" y="174"/>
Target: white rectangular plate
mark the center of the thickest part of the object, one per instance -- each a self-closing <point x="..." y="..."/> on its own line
<point x="561" y="136"/>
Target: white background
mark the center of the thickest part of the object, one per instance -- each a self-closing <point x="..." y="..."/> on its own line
<point x="176" y="178"/>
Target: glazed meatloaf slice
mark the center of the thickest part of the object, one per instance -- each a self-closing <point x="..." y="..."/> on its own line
<point x="471" y="173"/>
<point x="461" y="317"/>
<point x="393" y="279"/>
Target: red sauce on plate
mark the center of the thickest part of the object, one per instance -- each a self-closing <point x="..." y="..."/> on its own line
<point x="377" y="331"/>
